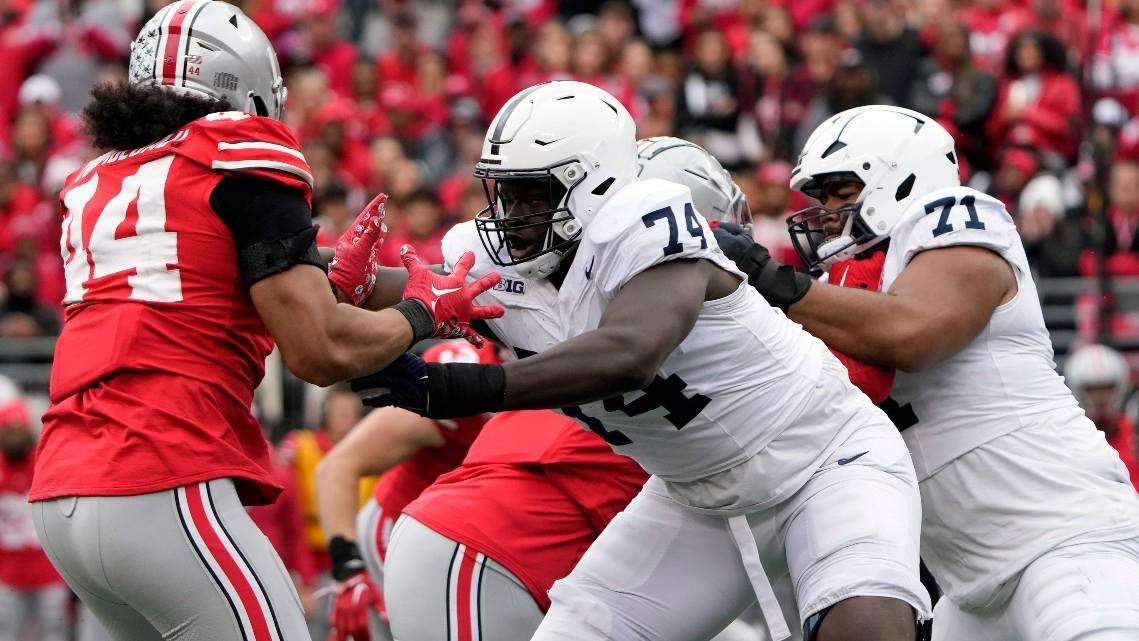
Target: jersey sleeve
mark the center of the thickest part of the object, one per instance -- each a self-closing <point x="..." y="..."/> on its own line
<point x="953" y="217"/>
<point x="645" y="224"/>
<point x="239" y="144"/>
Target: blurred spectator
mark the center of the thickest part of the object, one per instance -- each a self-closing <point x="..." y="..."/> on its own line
<point x="615" y="23"/>
<point x="1068" y="22"/>
<point x="708" y="109"/>
<point x="992" y="24"/>
<point x="958" y="94"/>
<point x="1100" y="379"/>
<point x="1115" y="63"/>
<point x="1051" y="242"/>
<point x="33" y="597"/>
<point x="318" y="44"/>
<point x="334" y="125"/>
<point x="1038" y="104"/>
<point x="774" y="97"/>
<point x="659" y="21"/>
<point x="397" y="65"/>
<point x="854" y="84"/>
<point x="770" y="206"/>
<point x="70" y="40"/>
<point x="890" y="47"/>
<point x="1120" y="248"/>
<point x="21" y="314"/>
<point x="420" y="218"/>
<point x="1014" y="168"/>
<point x="330" y="211"/>
<point x="299" y="453"/>
<point x="17" y="199"/>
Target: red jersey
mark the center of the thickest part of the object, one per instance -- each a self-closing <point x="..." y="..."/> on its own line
<point x="406" y="481"/>
<point x="161" y="348"/>
<point x="23" y="564"/>
<point x="533" y="493"/>
<point x="865" y="273"/>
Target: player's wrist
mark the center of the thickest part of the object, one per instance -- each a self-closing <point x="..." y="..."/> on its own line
<point x="346" y="559"/>
<point x="455" y="390"/>
<point x="781" y="285"/>
<point x="421" y="321"/>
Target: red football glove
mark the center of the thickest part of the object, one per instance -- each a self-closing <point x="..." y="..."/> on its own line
<point x="353" y="268"/>
<point x="449" y="298"/>
<point x="354" y="598"/>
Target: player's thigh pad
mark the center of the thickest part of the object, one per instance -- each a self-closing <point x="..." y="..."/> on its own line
<point x="951" y="623"/>
<point x="439" y="590"/>
<point x="1085" y="592"/>
<point x="659" y="571"/>
<point x="853" y="529"/>
<point x="190" y="562"/>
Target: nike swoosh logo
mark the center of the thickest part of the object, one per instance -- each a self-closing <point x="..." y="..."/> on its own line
<point x="589" y="270"/>
<point x="440" y="292"/>
<point x="851" y="459"/>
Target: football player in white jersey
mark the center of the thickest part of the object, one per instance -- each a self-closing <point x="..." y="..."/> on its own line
<point x="1029" y="523"/>
<point x="766" y="460"/>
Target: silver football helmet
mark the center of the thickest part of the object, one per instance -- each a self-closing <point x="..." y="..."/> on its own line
<point x="212" y="50"/>
<point x="714" y="194"/>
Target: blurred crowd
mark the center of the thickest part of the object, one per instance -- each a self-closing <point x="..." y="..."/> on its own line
<point x="394" y="96"/>
<point x="1042" y="97"/>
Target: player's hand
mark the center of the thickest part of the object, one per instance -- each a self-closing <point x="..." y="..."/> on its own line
<point x="354" y="598"/>
<point x="353" y="267"/>
<point x="402" y="384"/>
<point x="780" y="284"/>
<point x="434" y="390"/>
<point x="448" y="299"/>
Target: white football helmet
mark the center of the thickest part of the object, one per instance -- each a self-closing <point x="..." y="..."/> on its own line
<point x="1098" y="366"/>
<point x="898" y="154"/>
<point x="714" y="194"/>
<point x="212" y="50"/>
<point x="577" y="138"/>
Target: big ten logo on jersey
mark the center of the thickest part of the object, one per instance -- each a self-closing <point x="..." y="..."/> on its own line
<point x="510" y="286"/>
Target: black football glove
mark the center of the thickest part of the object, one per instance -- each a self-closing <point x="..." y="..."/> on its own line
<point x="434" y="390"/>
<point x="781" y="285"/>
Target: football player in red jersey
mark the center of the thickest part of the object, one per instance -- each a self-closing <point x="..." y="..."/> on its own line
<point x="409" y="452"/>
<point x="494" y="535"/>
<point x="189" y="250"/>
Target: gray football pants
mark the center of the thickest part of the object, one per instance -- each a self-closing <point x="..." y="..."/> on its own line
<point x="440" y="590"/>
<point x="180" y="565"/>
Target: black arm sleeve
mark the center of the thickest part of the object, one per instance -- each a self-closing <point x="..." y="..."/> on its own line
<point x="271" y="225"/>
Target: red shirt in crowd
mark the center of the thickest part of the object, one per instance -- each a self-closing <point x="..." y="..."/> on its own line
<point x="533" y="493"/>
<point x="23" y="564"/>
<point x="1047" y="122"/>
<point x="161" y="347"/>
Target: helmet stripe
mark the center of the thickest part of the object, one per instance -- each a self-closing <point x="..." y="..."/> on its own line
<point x="507" y="111"/>
<point x="173" y="43"/>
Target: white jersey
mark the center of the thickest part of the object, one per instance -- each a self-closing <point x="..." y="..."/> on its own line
<point x="1053" y="472"/>
<point x="739" y="386"/>
<point x="1005" y="378"/>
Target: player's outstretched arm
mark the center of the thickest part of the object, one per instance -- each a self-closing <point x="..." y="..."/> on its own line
<point x="939" y="303"/>
<point x="383" y="439"/>
<point x="638" y="331"/>
<point x="640" y="328"/>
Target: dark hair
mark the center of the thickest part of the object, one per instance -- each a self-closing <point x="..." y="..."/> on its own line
<point x="421" y="195"/>
<point x="1053" y="53"/>
<point x="122" y="116"/>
